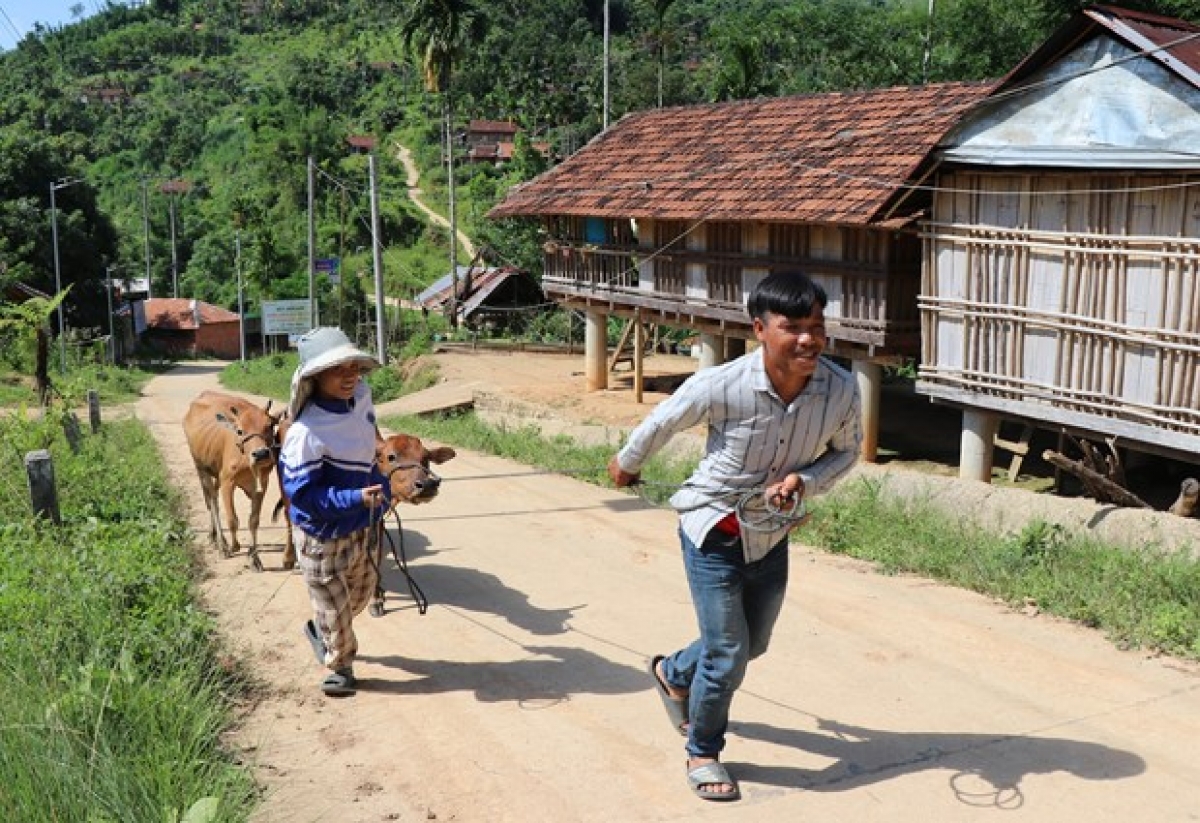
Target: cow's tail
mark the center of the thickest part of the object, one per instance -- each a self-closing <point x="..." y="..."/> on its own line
<point x="279" y="504"/>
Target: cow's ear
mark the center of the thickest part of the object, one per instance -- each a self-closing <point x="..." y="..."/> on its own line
<point x="441" y="454"/>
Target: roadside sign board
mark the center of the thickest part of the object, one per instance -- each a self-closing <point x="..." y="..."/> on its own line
<point x="290" y="317"/>
<point x="331" y="267"/>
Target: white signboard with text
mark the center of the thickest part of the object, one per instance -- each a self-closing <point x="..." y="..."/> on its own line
<point x="290" y="317"/>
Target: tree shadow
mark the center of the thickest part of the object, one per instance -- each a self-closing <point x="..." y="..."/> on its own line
<point x="987" y="769"/>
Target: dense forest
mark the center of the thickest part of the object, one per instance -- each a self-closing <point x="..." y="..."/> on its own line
<point x="179" y="132"/>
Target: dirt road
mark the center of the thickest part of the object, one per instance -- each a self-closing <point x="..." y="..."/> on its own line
<point x="522" y="695"/>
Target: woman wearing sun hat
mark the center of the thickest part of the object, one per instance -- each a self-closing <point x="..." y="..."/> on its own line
<point x="336" y="496"/>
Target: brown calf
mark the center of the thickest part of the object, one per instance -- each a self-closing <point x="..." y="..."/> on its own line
<point x="232" y="442"/>
<point x="404" y="461"/>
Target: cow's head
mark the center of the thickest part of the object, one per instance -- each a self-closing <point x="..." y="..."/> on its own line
<point x="254" y="428"/>
<point x="404" y="460"/>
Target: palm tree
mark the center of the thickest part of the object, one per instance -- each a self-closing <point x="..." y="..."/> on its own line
<point x="32" y="319"/>
<point x="437" y="32"/>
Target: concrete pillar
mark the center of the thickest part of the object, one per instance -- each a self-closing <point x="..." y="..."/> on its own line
<point x="595" y="350"/>
<point x="712" y="351"/>
<point x="869" y="377"/>
<point x="979" y="430"/>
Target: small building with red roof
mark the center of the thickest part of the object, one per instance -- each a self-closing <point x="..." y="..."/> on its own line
<point x="183" y="327"/>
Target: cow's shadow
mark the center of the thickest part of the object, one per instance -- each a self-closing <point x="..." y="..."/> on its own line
<point x="985" y="769"/>
<point x="460" y="588"/>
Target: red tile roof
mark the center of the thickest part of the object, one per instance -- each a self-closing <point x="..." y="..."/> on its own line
<point x="492" y="127"/>
<point x="837" y="157"/>
<point x="180" y="313"/>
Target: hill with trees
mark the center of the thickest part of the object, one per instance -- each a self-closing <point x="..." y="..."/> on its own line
<point x="180" y="131"/>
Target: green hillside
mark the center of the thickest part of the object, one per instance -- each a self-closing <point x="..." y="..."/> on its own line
<point x="187" y="125"/>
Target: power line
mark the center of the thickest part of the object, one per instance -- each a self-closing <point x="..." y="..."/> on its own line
<point x="11" y="26"/>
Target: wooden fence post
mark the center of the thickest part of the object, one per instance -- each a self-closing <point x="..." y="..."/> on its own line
<point x="42" y="491"/>
<point x="71" y="429"/>
<point x="93" y="401"/>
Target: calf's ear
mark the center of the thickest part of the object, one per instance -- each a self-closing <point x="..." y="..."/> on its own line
<point x="441" y="454"/>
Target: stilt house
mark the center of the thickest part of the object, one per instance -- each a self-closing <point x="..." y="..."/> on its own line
<point x="1062" y="256"/>
<point x="673" y="215"/>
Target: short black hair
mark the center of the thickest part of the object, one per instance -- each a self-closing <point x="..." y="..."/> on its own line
<point x="788" y="293"/>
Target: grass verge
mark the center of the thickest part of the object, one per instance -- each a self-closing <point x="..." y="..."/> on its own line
<point x="1145" y="599"/>
<point x="115" y="698"/>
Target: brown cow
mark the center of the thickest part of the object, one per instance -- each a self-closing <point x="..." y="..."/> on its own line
<point x="404" y="461"/>
<point x="233" y="445"/>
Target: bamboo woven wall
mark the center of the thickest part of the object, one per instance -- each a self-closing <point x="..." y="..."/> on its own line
<point x="1077" y="292"/>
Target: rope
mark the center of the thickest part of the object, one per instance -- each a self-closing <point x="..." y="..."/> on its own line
<point x="754" y="511"/>
<point x="400" y="556"/>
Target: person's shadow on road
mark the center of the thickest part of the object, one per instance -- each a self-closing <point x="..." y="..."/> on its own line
<point x="461" y="589"/>
<point x="986" y="769"/>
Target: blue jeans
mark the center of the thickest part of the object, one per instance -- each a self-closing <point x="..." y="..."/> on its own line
<point x="736" y="604"/>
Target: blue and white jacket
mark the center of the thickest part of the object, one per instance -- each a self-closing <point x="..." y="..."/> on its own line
<point x="328" y="458"/>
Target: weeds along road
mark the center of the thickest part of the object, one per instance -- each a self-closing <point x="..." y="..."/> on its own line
<point x="522" y="694"/>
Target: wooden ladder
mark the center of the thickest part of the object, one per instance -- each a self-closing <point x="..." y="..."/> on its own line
<point x="1019" y="449"/>
<point x="624" y="352"/>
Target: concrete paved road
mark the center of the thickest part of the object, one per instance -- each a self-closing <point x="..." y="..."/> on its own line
<point x="522" y="695"/>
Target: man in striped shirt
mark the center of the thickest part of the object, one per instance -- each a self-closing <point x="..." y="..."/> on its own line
<point x="783" y="425"/>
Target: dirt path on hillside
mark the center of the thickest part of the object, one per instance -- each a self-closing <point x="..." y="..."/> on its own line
<point x="412" y="179"/>
<point x="522" y="696"/>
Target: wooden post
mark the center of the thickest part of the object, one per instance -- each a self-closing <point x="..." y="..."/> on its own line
<point x="72" y="431"/>
<point x="870" y="382"/>
<point x="42" y="492"/>
<point x="712" y="350"/>
<point x="639" y="351"/>
<point x="93" y="401"/>
<point x="978" y="436"/>
<point x="595" y="350"/>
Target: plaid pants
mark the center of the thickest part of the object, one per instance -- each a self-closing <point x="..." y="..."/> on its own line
<point x="341" y="576"/>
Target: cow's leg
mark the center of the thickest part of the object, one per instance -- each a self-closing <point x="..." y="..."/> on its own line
<point x="256" y="501"/>
<point x="231" y="518"/>
<point x="289" y="548"/>
<point x="208" y="484"/>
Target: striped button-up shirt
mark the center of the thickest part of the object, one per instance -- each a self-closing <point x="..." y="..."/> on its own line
<point x="754" y="440"/>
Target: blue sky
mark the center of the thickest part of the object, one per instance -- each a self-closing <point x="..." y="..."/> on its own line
<point x="18" y="16"/>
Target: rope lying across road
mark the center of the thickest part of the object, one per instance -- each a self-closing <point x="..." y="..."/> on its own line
<point x="754" y="510"/>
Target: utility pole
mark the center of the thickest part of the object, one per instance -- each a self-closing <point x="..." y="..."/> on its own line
<point x="606" y="65"/>
<point x="237" y="265"/>
<point x="312" y="248"/>
<point x="453" y="213"/>
<point x="146" y="236"/>
<point x="62" y="323"/>
<point x="174" y="250"/>
<point x="380" y="331"/>
<point x="112" y="338"/>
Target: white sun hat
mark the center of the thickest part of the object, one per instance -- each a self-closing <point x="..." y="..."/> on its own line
<point x="326" y="347"/>
<point x="320" y="349"/>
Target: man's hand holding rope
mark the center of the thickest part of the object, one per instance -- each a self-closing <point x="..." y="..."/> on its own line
<point x="619" y="476"/>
